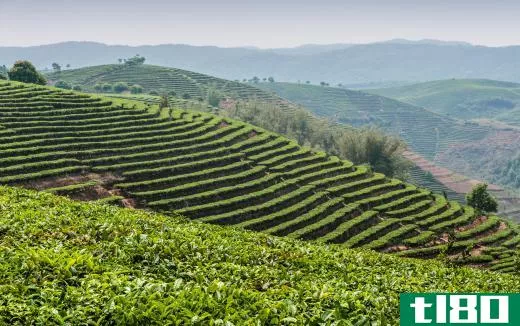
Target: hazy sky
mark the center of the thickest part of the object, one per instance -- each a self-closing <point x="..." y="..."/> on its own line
<point x="263" y="23"/>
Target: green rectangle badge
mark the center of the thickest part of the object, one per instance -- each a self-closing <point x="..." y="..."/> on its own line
<point x="459" y="309"/>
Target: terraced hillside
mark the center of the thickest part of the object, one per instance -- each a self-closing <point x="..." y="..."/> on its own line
<point x="161" y="79"/>
<point x="427" y="133"/>
<point x="461" y="98"/>
<point x="222" y="171"/>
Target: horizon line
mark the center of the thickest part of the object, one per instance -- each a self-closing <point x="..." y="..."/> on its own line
<point x="424" y="41"/>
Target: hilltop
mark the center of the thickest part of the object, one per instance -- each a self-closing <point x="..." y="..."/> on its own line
<point x="347" y="64"/>
<point x="163" y="80"/>
<point x="78" y="263"/>
<point x="222" y="171"/>
<point x="462" y="98"/>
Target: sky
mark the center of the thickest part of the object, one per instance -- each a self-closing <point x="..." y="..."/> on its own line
<point x="260" y="23"/>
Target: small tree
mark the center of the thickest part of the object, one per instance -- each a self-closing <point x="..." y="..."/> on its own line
<point x="136" y="89"/>
<point x="255" y="79"/>
<point x="107" y="87"/>
<point x="77" y="88"/>
<point x="270" y="79"/>
<point x="213" y="98"/>
<point x="24" y="71"/>
<point x="120" y="87"/>
<point x="3" y="77"/>
<point x="165" y="102"/>
<point x="98" y="87"/>
<point x="56" y="67"/>
<point x="480" y="199"/>
<point x="68" y="65"/>
<point x="63" y="84"/>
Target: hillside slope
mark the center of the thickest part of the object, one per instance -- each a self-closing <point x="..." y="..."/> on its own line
<point x="440" y="139"/>
<point x="226" y="172"/>
<point x="184" y="83"/>
<point x="78" y="263"/>
<point x="461" y="98"/>
<point x="426" y="132"/>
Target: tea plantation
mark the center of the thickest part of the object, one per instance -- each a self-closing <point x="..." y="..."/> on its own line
<point x="227" y="172"/>
<point x="185" y="84"/>
<point x="72" y="263"/>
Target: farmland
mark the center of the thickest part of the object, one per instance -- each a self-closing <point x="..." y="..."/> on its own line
<point x="163" y="80"/>
<point x="86" y="263"/>
<point x="476" y="150"/>
<point x="221" y="171"/>
<point x="461" y="98"/>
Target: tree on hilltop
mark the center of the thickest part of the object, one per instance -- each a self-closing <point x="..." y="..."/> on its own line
<point x="56" y="67"/>
<point x="270" y="79"/>
<point x="135" y="60"/>
<point x="480" y="199"/>
<point x="25" y="72"/>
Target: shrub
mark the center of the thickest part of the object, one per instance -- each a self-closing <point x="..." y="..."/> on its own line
<point x="120" y="87"/>
<point x="24" y="71"/>
<point x="172" y="93"/>
<point x="136" y="89"/>
<point x="98" y="87"/>
<point x="107" y="87"/>
<point x="186" y="96"/>
<point x="63" y="84"/>
<point x="76" y="88"/>
<point x="153" y="93"/>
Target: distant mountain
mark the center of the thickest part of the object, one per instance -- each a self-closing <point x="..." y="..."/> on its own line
<point x="427" y="41"/>
<point x="396" y="60"/>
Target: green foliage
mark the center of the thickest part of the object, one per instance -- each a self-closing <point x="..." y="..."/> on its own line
<point x="106" y="87"/>
<point x="63" y="84"/>
<point x="135" y="60"/>
<point x="480" y="199"/>
<point x="24" y="71"/>
<point x="120" y="87"/>
<point x="136" y="89"/>
<point x="371" y="146"/>
<point x="77" y="88"/>
<point x="90" y="263"/>
<point x="56" y="67"/>
<point x="165" y="102"/>
<point x="214" y="98"/>
<point x="98" y="87"/>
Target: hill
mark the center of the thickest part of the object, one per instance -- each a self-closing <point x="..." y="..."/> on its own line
<point x="80" y="263"/>
<point x="440" y="139"/>
<point x="461" y="98"/>
<point x="186" y="84"/>
<point x="223" y="171"/>
<point x="426" y="132"/>
<point x="361" y="63"/>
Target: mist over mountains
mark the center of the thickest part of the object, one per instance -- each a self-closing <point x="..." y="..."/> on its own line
<point x="395" y="60"/>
